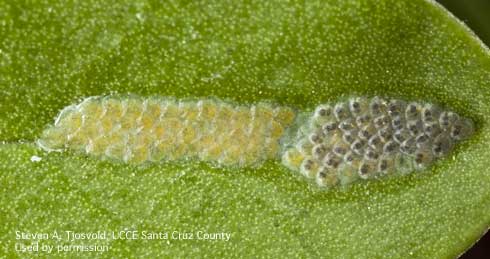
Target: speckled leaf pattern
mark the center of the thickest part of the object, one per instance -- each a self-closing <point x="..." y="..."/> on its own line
<point x="297" y="54"/>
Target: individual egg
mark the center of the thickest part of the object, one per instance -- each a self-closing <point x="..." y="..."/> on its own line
<point x="333" y="139"/>
<point x="461" y="129"/>
<point x="408" y="146"/>
<point x="171" y="108"/>
<point x="423" y="157"/>
<point x="404" y="164"/>
<point x="118" y="150"/>
<point x="430" y="113"/>
<point x="395" y="107"/>
<point x="208" y="109"/>
<point x="190" y="111"/>
<point x="366" y="132"/>
<point x="397" y="122"/>
<point x="341" y="111"/>
<point x="442" y="145"/>
<point x="390" y="147"/>
<point x="91" y="108"/>
<point x="375" y="142"/>
<point x="431" y="129"/>
<point x="386" y="164"/>
<point x="370" y="154"/>
<point x="134" y="110"/>
<point x="414" y="127"/>
<point x="322" y="114"/>
<point x="358" y="105"/>
<point x="340" y="149"/>
<point x="113" y="107"/>
<point x="367" y="169"/>
<point x="349" y="157"/>
<point x="304" y="146"/>
<point x="447" y="119"/>
<point x="385" y="134"/>
<point x="284" y="115"/>
<point x="318" y="151"/>
<point x="326" y="177"/>
<point x="401" y="135"/>
<point x="347" y="125"/>
<point x="358" y="146"/>
<point x="362" y="120"/>
<point x="348" y="174"/>
<point x="412" y="111"/>
<point x="316" y="138"/>
<point x="292" y="158"/>
<point x="381" y="121"/>
<point x="54" y="139"/>
<point x="422" y="140"/>
<point x="309" y="168"/>
<point x="331" y="160"/>
<point x="377" y="106"/>
<point x="329" y="128"/>
<point x="349" y="137"/>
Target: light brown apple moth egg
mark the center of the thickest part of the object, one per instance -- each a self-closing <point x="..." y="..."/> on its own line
<point x="337" y="144"/>
<point x="136" y="130"/>
<point x="369" y="138"/>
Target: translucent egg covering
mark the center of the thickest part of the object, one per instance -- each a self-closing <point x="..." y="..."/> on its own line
<point x="362" y="139"/>
<point x="336" y="144"/>
<point x="138" y="130"/>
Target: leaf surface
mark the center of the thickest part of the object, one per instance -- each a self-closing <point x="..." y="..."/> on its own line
<point x="297" y="54"/>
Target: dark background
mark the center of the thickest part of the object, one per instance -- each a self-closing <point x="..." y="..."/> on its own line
<point x="476" y="15"/>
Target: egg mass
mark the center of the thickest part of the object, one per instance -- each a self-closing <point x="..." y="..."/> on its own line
<point x="336" y="144"/>
<point x="381" y="137"/>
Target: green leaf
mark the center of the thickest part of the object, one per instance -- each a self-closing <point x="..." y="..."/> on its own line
<point x="292" y="53"/>
<point x="473" y="13"/>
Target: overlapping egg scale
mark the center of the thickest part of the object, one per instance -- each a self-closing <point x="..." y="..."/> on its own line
<point x="136" y="130"/>
<point x="367" y="138"/>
